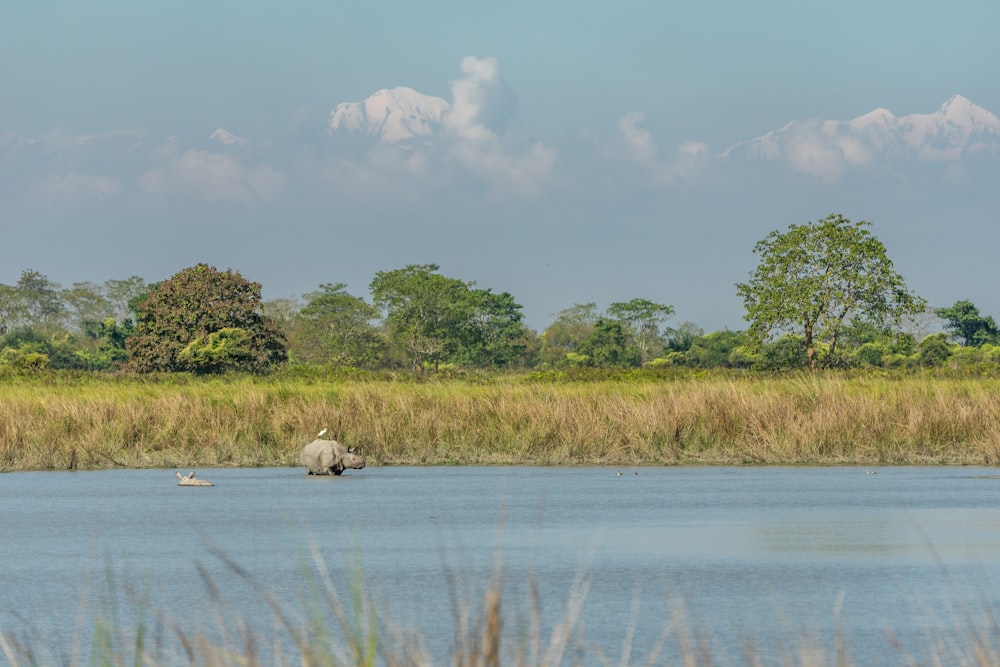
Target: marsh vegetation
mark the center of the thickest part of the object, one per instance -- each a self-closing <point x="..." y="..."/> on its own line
<point x="59" y="422"/>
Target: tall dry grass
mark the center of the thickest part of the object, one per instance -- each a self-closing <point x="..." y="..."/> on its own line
<point x="802" y="419"/>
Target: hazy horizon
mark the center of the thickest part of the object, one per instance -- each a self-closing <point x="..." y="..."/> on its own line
<point x="566" y="153"/>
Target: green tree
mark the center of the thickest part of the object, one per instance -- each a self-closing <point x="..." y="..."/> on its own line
<point x="227" y="349"/>
<point x="608" y="345"/>
<point x="9" y="309"/>
<point x="426" y="313"/>
<point x="934" y="350"/>
<point x="123" y="297"/>
<point x="25" y="357"/>
<point x="34" y="301"/>
<point x="871" y="354"/>
<point x="814" y="277"/>
<point x="107" y="349"/>
<point x="785" y="353"/>
<point x="87" y="305"/>
<point x="569" y="329"/>
<point x="719" y="349"/>
<point x="283" y="310"/>
<point x="335" y="327"/>
<point x="642" y="320"/>
<point x="495" y="336"/>
<point x="192" y="305"/>
<point x="681" y="338"/>
<point x="968" y="326"/>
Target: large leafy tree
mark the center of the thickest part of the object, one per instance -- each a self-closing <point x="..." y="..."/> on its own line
<point x="335" y="327"/>
<point x="213" y="317"/>
<point x="813" y="278"/>
<point x="642" y="321"/>
<point x="426" y="313"/>
<point x="968" y="326"/>
<point x="494" y="334"/>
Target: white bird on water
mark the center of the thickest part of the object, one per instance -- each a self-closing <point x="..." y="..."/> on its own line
<point x="189" y="480"/>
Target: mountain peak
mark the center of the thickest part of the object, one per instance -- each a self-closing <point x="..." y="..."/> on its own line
<point x="959" y="127"/>
<point x="957" y="101"/>
<point x="877" y="119"/>
<point x="961" y="110"/>
<point x="391" y="114"/>
<point x="227" y="138"/>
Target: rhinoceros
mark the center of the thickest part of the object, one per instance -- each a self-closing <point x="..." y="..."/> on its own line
<point x="329" y="457"/>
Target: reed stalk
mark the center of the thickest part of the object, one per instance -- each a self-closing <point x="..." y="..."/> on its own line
<point x="321" y="627"/>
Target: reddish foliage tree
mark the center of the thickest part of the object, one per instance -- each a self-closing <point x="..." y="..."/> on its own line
<point x="191" y="306"/>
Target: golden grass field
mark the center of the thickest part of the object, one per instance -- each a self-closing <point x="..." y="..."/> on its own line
<point x="816" y="419"/>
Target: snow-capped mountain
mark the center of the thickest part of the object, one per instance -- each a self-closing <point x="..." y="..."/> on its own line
<point x="958" y="129"/>
<point x="228" y="138"/>
<point x="391" y="115"/>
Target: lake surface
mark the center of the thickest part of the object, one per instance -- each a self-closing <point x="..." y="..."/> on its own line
<point x="770" y="557"/>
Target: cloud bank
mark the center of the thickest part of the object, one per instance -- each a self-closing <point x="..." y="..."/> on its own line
<point x="403" y="145"/>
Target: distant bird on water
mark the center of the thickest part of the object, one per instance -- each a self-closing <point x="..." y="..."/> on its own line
<point x="189" y="480"/>
<point x="871" y="472"/>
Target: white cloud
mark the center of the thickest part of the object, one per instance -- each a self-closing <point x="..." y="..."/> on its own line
<point x="809" y="150"/>
<point x="13" y="140"/>
<point x="165" y="148"/>
<point x="131" y="136"/>
<point x="686" y="166"/>
<point x="212" y="177"/>
<point x="525" y="173"/>
<point x="481" y="107"/>
<point x="75" y="188"/>
<point x="638" y="141"/>
<point x="482" y="104"/>
<point x="60" y="167"/>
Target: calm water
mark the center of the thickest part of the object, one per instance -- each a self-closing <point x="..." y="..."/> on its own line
<point x="766" y="556"/>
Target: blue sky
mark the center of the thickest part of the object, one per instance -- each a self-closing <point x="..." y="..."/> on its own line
<point x="595" y="188"/>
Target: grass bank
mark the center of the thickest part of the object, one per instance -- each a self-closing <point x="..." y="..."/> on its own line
<point x="67" y="422"/>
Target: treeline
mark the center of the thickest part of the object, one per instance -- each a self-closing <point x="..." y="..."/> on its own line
<point x="417" y="319"/>
<point x="824" y="295"/>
